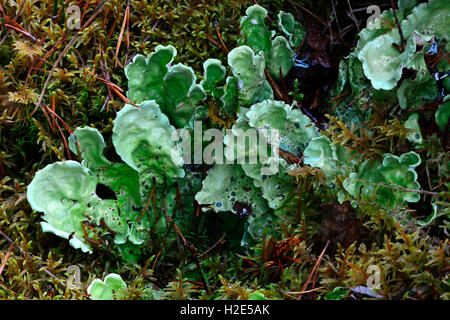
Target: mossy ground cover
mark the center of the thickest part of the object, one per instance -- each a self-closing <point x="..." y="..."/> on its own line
<point x="54" y="78"/>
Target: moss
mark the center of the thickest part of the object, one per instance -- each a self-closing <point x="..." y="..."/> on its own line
<point x="408" y="243"/>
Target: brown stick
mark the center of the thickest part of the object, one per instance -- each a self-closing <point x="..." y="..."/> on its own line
<point x="221" y="40"/>
<point x="97" y="11"/>
<point x="194" y="255"/>
<point x="276" y="89"/>
<point x="215" y="245"/>
<point x="313" y="270"/>
<point x="29" y="256"/>
<point x="403" y="41"/>
<point x="122" y="30"/>
<point x="6" y="258"/>
<point x="400" y="188"/>
<point x="353" y="16"/>
<point x="19" y="12"/>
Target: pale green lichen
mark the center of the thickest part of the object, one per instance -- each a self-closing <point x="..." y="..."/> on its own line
<point x="214" y="74"/>
<point x="419" y="90"/>
<point x="278" y="52"/>
<point x="332" y="159"/>
<point x="443" y="113"/>
<point x="226" y="91"/>
<point x="62" y="191"/>
<point x="248" y="67"/>
<point x="412" y="124"/>
<point x="112" y="287"/>
<point x="383" y="63"/>
<point x="293" y="29"/>
<point x="225" y="186"/>
<point x="391" y="183"/>
<point x="255" y="188"/>
<point x="383" y="58"/>
<point x="144" y="139"/>
<point x="174" y="88"/>
<point x="68" y="194"/>
<point x="269" y="171"/>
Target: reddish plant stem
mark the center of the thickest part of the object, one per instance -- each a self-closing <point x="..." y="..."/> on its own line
<point x="403" y="41"/>
<point x="314" y="269"/>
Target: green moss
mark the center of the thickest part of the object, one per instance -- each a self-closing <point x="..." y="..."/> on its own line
<point x="407" y="241"/>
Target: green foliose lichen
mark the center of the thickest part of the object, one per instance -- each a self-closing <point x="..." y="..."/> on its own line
<point x="390" y="183"/>
<point x="173" y="87"/>
<point x="278" y="51"/>
<point x="70" y="193"/>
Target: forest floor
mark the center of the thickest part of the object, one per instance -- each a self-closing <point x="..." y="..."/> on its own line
<point x="55" y="78"/>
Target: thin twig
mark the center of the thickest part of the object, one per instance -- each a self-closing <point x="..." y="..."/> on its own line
<point x="97" y="11"/>
<point x="353" y="16"/>
<point x="302" y="292"/>
<point x="29" y="256"/>
<point x="215" y="245"/>
<point x="221" y="40"/>
<point x="313" y="270"/>
<point x="152" y="193"/>
<point x="20" y="30"/>
<point x="19" y="12"/>
<point x="400" y="188"/>
<point x="276" y="89"/>
<point x="403" y="41"/>
<point x="4" y="285"/>
<point x="194" y="255"/>
<point x="122" y="30"/>
<point x="333" y="5"/>
<point x="6" y="258"/>
<point x="359" y="98"/>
